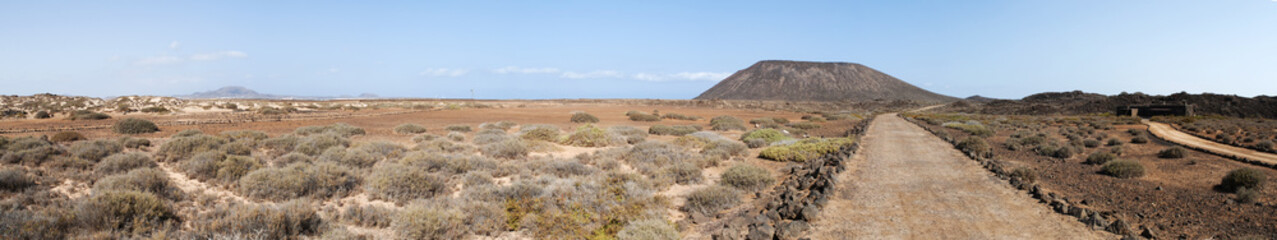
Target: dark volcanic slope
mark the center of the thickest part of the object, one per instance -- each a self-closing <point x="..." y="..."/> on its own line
<point x="1078" y="102"/>
<point x="816" y="81"/>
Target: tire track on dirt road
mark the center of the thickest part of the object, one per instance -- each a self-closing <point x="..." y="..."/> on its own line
<point x="1168" y="133"/>
<point x="908" y="184"/>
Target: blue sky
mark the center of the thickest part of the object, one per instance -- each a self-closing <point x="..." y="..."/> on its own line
<point x="630" y="49"/>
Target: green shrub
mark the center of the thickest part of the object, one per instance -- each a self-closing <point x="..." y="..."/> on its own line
<point x="127" y="211"/>
<point x="582" y="117"/>
<point x="1051" y="150"/>
<point x="712" y="199"/>
<point x="747" y="177"/>
<point x="409" y="128"/>
<point x="805" y="149"/>
<point x="684" y="173"/>
<point x="726" y="123"/>
<point x="66" y="136"/>
<point x="589" y="136"/>
<point x="134" y="126"/>
<point x="123" y="162"/>
<point x="43" y="115"/>
<point x="1172" y="152"/>
<point x="321" y="180"/>
<point x="402" y="184"/>
<point x="185" y="147"/>
<point x="1091" y="143"/>
<point x="458" y="128"/>
<point x="677" y="116"/>
<point x="95" y="150"/>
<point x="15" y="179"/>
<point x="148" y="180"/>
<point x="676" y="130"/>
<point x="804" y="125"/>
<point x="767" y="135"/>
<point x="650" y="229"/>
<point x="1139" y="140"/>
<point x="1113" y="142"/>
<point x="1123" y="169"/>
<point x="631" y="135"/>
<point x="87" y="115"/>
<point x="1248" y="178"/>
<point x="971" y="127"/>
<point x="340" y="129"/>
<point x="1100" y="158"/>
<point x="513" y="148"/>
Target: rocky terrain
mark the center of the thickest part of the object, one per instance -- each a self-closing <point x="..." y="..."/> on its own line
<point x="817" y="81"/>
<point x="1078" y="103"/>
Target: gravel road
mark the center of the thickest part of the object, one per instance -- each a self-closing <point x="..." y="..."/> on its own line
<point x="1169" y="133"/>
<point x="908" y="184"/>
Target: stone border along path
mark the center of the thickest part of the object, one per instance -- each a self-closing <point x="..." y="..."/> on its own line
<point x="908" y="184"/>
<point x="1167" y="133"/>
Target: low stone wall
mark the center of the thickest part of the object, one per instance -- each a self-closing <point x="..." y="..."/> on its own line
<point x="1098" y="220"/>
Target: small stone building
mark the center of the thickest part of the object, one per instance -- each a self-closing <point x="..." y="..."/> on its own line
<point x="1150" y="110"/>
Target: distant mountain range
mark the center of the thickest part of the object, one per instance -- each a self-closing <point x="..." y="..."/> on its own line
<point x="817" y="81"/>
<point x="237" y="92"/>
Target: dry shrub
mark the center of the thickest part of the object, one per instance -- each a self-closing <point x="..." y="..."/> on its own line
<point x="1139" y="140"/>
<point x="1172" y="152"/>
<point x="975" y="146"/>
<point x="676" y="130"/>
<point x="429" y="221"/>
<point x="487" y="136"/>
<point x="642" y="116"/>
<point x="590" y="136"/>
<point x="145" y="180"/>
<point x="448" y="163"/>
<point x="726" y="123"/>
<point x="123" y="162"/>
<point x="367" y="216"/>
<point x="425" y="138"/>
<point x="290" y="220"/>
<point x="1123" y="169"/>
<point x="134" y="126"/>
<point x="1248" y="178"/>
<point x="649" y="157"/>
<point x="401" y="184"/>
<point x="134" y="143"/>
<point x="650" y="229"/>
<point x="444" y="146"/>
<point x="87" y="115"/>
<point x="15" y="179"/>
<point x="564" y="168"/>
<point x="747" y="177"/>
<point x="46" y="223"/>
<point x="684" y="173"/>
<point x="712" y="199"/>
<point x="340" y="129"/>
<point x="1113" y="142"/>
<point x="95" y="150"/>
<point x="631" y="135"/>
<point x="1100" y="158"/>
<point x="677" y="116"/>
<point x="244" y="136"/>
<point x="1024" y="174"/>
<point x="350" y="157"/>
<point x="216" y="166"/>
<point x="409" y="128"/>
<point x="723" y="148"/>
<point x="765" y="135"/>
<point x="186" y="147"/>
<point x="187" y="133"/>
<point x="502" y="125"/>
<point x="582" y="117"/>
<point x="66" y="136"/>
<point x="126" y="211"/>
<point x="804" y="125"/>
<point x="458" y="128"/>
<point x="321" y="180"/>
<point x="513" y="148"/>
<point x="291" y="158"/>
<point x="316" y="144"/>
<point x="540" y="132"/>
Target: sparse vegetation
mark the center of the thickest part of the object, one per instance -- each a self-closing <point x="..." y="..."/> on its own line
<point x="95" y="150"/>
<point x="1139" y="140"/>
<point x="148" y="180"/>
<point x="1172" y="152"/>
<point x="66" y="136"/>
<point x="677" y="116"/>
<point x="123" y="162"/>
<point x="87" y="115"/>
<point x="712" y="199"/>
<point x="539" y="132"/>
<point x="805" y="149"/>
<point x="1024" y="175"/>
<point x="297" y="180"/>
<point x="631" y="135"/>
<point x="642" y="116"/>
<point x="651" y="229"/>
<point x="590" y="136"/>
<point x="402" y="184"/>
<point x="766" y="136"/>
<point x="676" y="130"/>
<point x="134" y="126"/>
<point x="15" y="179"/>
<point x="1100" y="158"/>
<point x="128" y="211"/>
<point x="975" y="146"/>
<point x="458" y="128"/>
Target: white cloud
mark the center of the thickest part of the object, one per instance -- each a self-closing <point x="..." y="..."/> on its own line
<point x="594" y="74"/>
<point x="174" y="45"/>
<point x="687" y="76"/>
<point x="218" y="55"/>
<point x="701" y="76"/>
<point x="523" y="70"/>
<point x="444" y="72"/>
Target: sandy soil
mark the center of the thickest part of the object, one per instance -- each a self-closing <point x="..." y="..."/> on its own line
<point x="1169" y="133"/>
<point x="908" y="184"/>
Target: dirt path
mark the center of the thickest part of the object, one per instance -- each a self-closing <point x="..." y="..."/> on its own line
<point x="908" y="184"/>
<point x="1169" y="133"/>
<point x="192" y="186"/>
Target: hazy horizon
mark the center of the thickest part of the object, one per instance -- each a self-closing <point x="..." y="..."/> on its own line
<point x="666" y="50"/>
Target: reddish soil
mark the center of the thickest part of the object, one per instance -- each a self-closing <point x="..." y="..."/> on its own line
<point x="1176" y="198"/>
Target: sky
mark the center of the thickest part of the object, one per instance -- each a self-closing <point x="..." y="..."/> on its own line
<point x="629" y="49"/>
